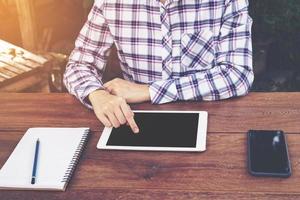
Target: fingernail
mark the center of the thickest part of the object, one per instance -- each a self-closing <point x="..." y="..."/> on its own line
<point x="136" y="130"/>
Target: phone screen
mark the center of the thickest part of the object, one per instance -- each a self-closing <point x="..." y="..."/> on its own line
<point x="268" y="154"/>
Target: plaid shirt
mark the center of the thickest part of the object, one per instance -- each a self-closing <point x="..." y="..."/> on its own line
<point x="183" y="49"/>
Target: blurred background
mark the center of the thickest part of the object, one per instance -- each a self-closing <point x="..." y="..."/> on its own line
<point x="47" y="29"/>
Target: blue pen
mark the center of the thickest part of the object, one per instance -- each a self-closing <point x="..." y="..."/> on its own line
<point x="36" y="155"/>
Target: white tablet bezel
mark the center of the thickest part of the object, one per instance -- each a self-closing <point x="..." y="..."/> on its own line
<point x="200" y="143"/>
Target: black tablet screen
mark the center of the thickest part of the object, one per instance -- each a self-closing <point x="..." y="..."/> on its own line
<point x="158" y="130"/>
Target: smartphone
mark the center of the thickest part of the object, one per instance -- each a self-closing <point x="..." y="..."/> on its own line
<point x="268" y="154"/>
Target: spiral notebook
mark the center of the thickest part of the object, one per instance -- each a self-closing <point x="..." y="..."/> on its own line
<point x="59" y="152"/>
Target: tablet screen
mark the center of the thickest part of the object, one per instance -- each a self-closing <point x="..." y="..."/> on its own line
<point x="158" y="130"/>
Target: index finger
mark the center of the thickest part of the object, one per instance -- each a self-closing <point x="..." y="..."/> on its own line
<point x="129" y="117"/>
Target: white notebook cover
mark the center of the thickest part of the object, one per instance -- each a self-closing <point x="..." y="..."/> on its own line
<point x="59" y="151"/>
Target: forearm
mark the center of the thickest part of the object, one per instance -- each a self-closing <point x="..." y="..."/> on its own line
<point x="144" y="93"/>
<point x="131" y="92"/>
<point x="221" y="82"/>
<point x="80" y="81"/>
<point x="88" y="60"/>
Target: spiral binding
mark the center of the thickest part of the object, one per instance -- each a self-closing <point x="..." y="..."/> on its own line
<point x="76" y="156"/>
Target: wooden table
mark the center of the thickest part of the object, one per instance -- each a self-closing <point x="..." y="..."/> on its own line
<point x="218" y="173"/>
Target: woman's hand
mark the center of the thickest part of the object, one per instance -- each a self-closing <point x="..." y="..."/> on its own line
<point x="112" y="110"/>
<point x="131" y="92"/>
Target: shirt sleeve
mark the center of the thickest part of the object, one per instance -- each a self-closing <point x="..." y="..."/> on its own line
<point x="87" y="62"/>
<point x="232" y="73"/>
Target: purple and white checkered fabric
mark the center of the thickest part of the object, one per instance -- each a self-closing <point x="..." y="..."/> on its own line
<point x="183" y="49"/>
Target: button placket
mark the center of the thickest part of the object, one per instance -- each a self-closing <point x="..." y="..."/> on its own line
<point x="166" y="43"/>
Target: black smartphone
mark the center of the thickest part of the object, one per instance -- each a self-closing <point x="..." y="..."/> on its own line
<point x="268" y="154"/>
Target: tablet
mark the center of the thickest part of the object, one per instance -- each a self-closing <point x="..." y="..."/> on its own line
<point x="159" y="131"/>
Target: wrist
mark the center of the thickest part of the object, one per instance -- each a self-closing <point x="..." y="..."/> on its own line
<point x="97" y="93"/>
<point x="146" y="93"/>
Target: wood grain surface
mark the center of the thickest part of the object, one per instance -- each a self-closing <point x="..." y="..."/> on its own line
<point x="254" y="111"/>
<point x="218" y="173"/>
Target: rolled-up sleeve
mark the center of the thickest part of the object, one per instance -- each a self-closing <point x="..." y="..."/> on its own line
<point x="87" y="62"/>
<point x="232" y="73"/>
